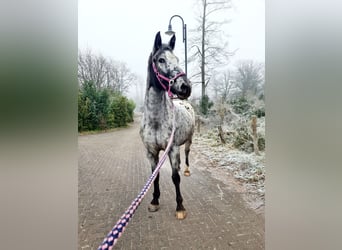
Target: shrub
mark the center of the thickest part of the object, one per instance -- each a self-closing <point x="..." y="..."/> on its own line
<point x="103" y="103"/>
<point x="261" y="143"/>
<point x="240" y="105"/>
<point x="205" y="105"/>
<point x="243" y="140"/>
<point x="102" y="109"/>
<point x="260" y="112"/>
<point x="119" y="109"/>
<point x="130" y="110"/>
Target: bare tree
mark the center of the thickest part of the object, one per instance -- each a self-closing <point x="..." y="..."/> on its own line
<point x="125" y="78"/>
<point x="207" y="43"/>
<point x="91" y="68"/>
<point x="139" y="92"/>
<point x="223" y="86"/>
<point x="249" y="77"/>
<point x="104" y="72"/>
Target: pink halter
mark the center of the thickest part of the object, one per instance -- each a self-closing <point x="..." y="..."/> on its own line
<point x="171" y="81"/>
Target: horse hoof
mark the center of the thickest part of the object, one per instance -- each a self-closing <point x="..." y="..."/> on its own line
<point x="180" y="215"/>
<point x="186" y="173"/>
<point x="153" y="208"/>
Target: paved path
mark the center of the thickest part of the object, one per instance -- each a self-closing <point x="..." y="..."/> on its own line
<point x="112" y="171"/>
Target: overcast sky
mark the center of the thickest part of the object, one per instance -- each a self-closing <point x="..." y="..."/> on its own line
<point x="125" y="30"/>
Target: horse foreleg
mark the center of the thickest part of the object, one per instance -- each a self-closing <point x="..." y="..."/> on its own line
<point x="175" y="162"/>
<point x="180" y="210"/>
<point x="187" y="150"/>
<point x="154" y="205"/>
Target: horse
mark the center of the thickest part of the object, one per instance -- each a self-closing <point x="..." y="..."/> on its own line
<point x="164" y="79"/>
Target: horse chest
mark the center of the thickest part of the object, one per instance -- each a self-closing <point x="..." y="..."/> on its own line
<point x="155" y="134"/>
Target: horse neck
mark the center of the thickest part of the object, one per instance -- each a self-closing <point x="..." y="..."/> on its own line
<point x="157" y="103"/>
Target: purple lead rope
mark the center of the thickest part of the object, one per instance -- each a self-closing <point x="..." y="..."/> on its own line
<point x="113" y="236"/>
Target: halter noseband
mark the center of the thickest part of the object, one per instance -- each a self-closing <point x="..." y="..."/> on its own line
<point x="171" y="81"/>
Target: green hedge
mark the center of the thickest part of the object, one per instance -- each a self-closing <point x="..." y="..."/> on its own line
<point x="100" y="109"/>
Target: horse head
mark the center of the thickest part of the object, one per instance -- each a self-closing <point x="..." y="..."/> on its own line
<point x="165" y="66"/>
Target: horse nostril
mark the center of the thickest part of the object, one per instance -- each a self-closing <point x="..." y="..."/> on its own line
<point x="185" y="89"/>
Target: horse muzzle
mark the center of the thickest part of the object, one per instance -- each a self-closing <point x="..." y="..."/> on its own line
<point x="182" y="88"/>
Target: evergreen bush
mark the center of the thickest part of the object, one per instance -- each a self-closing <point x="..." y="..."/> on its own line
<point x="100" y="109"/>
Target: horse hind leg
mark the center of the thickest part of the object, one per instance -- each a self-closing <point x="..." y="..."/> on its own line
<point x="187" y="150"/>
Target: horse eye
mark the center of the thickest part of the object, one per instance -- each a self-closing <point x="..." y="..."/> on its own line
<point x="161" y="60"/>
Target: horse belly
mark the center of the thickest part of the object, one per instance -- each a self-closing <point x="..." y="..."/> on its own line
<point x="185" y="126"/>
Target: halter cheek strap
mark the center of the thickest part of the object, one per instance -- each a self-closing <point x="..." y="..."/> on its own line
<point x="171" y="81"/>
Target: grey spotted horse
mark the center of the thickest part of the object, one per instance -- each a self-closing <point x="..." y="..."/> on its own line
<point x="165" y="79"/>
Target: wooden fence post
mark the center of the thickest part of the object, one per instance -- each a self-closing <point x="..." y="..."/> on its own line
<point x="223" y="141"/>
<point x="198" y="123"/>
<point x="255" y="135"/>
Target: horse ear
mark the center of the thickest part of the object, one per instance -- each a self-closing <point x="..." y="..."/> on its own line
<point x="172" y="42"/>
<point x="157" y="42"/>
